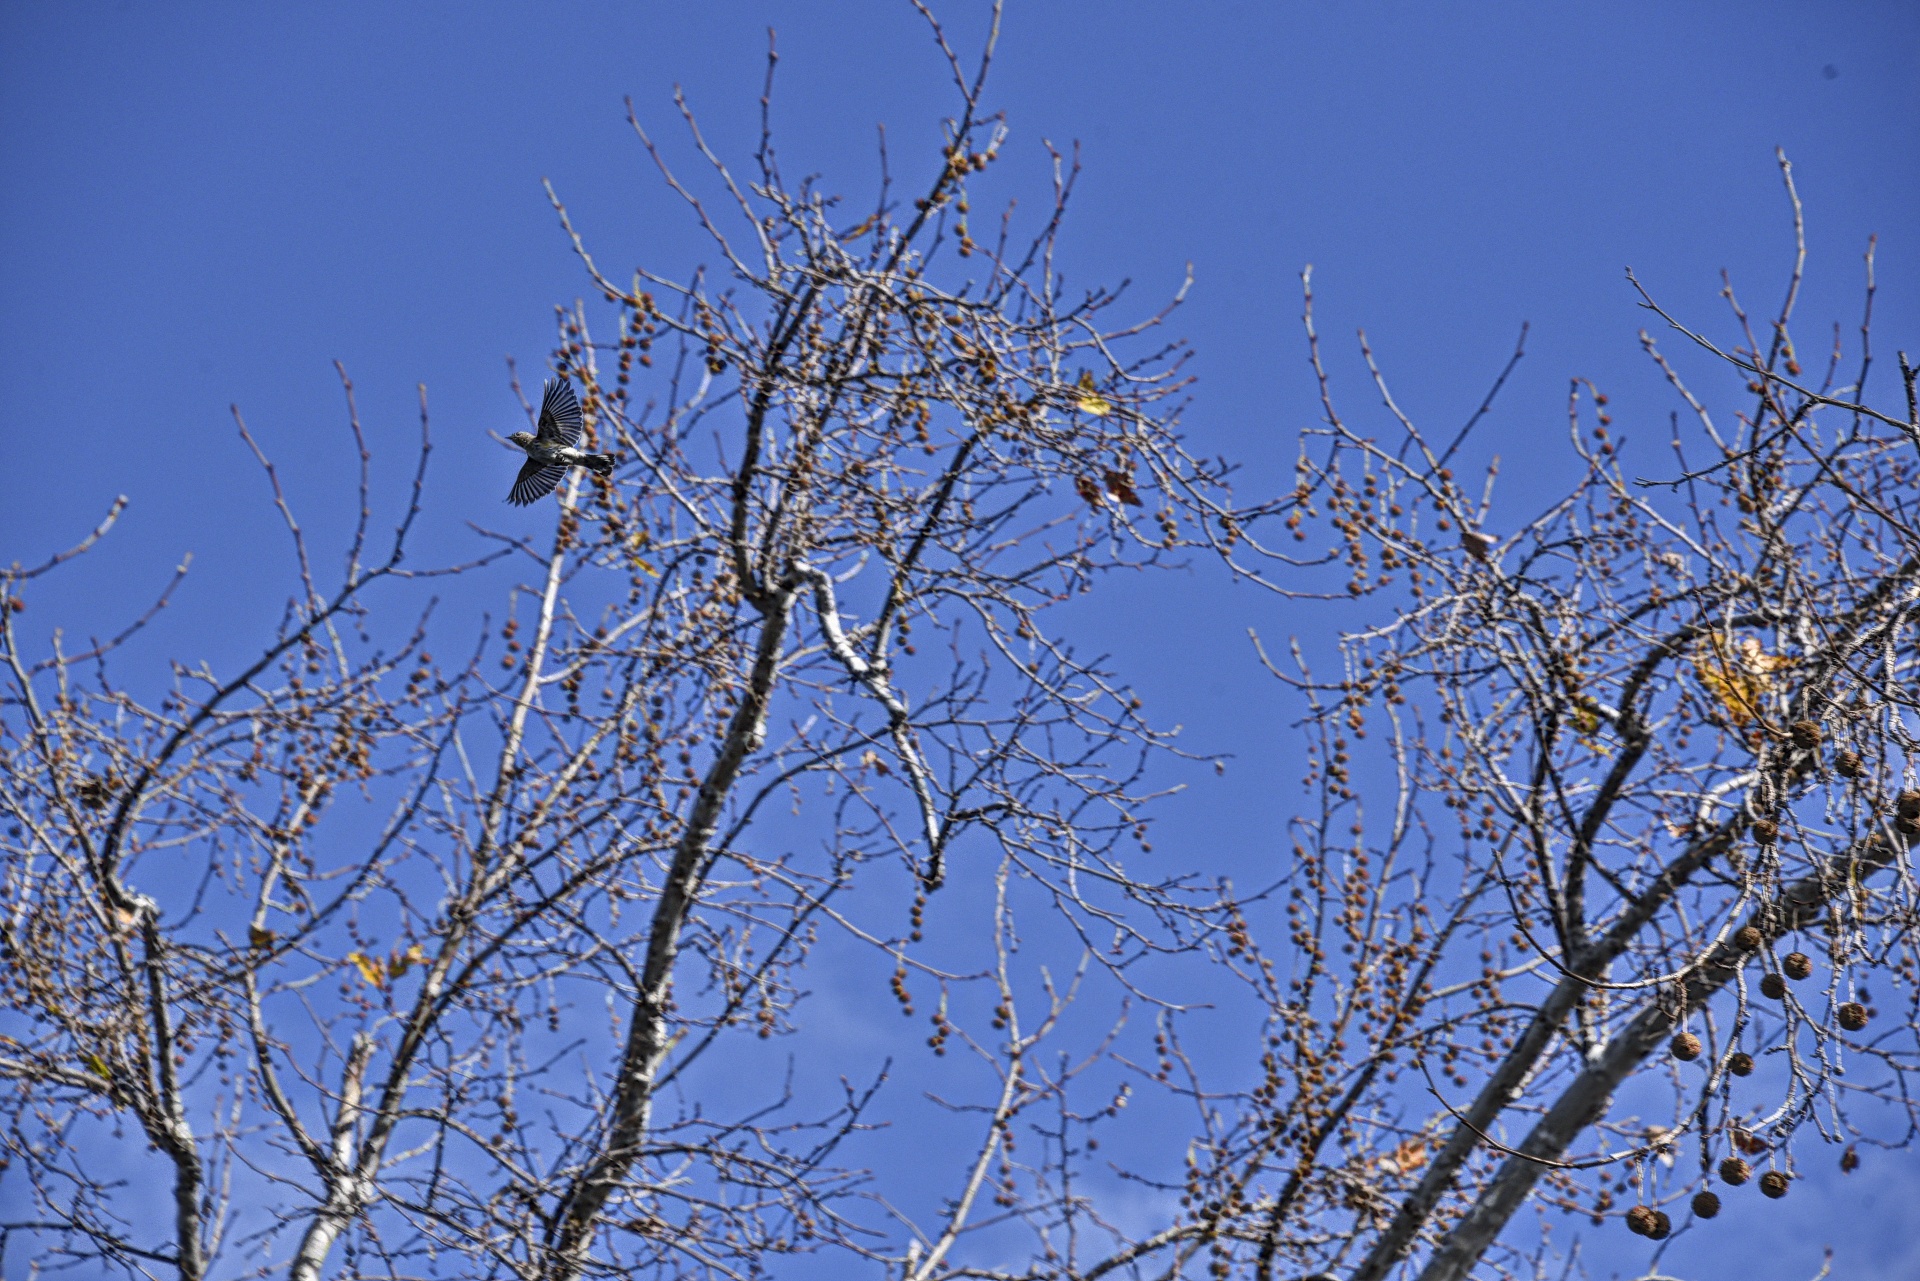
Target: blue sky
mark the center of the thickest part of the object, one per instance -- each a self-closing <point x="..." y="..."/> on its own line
<point x="206" y="204"/>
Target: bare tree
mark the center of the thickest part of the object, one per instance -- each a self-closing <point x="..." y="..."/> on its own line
<point x="403" y="966"/>
<point x="1658" y="734"/>
<point x="332" y="931"/>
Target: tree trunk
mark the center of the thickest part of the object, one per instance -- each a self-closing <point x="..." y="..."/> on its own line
<point x="1585" y="1100"/>
<point x="647" y="1034"/>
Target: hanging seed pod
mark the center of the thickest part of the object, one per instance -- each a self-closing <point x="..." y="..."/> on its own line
<point x="1774" y="1184"/>
<point x="1850" y="1160"/>
<point x="1765" y="831"/>
<point x="1747" y="938"/>
<point x="1772" y="986"/>
<point x="1846" y="764"/>
<point x="97" y="791"/>
<point x="1735" y="1171"/>
<point x="1798" y="965"/>
<point x="1805" y="735"/>
<point x="1907" y="812"/>
<point x="1705" y="1205"/>
<point x="1685" y="1047"/>
<point x="1853" y="1016"/>
<point x="1662" y="1226"/>
<point x="1640" y="1220"/>
<point x="1741" y="1064"/>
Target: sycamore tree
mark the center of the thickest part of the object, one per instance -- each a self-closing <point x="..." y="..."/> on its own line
<point x="398" y="951"/>
<point x="496" y="944"/>
<point x="1655" y="735"/>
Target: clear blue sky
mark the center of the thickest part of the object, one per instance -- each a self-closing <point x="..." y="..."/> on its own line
<point x="207" y="203"/>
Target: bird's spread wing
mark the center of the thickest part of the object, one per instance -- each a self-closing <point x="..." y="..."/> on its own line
<point x="535" y="481"/>
<point x="560" y="414"/>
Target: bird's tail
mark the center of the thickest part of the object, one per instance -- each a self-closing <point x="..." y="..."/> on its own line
<point x="601" y="463"/>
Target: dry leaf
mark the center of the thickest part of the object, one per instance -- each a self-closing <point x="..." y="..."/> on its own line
<point x="404" y="961"/>
<point x="1120" y="485"/>
<point x="258" y="937"/>
<point x="1085" y="487"/>
<point x="871" y="759"/>
<point x="1407" y="1157"/>
<point x="1738" y="676"/>
<point x="372" y="969"/>
<point x="1585" y="712"/>
<point x="1090" y="400"/>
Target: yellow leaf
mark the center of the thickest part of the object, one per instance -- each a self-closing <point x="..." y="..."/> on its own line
<point x="97" y="1065"/>
<point x="645" y="568"/>
<point x="1738" y="676"/>
<point x="372" y="969"/>
<point x="258" y="937"/>
<point x="404" y="961"/>
<point x="1090" y="400"/>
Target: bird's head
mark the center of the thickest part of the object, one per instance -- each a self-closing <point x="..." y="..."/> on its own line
<point x="522" y="438"/>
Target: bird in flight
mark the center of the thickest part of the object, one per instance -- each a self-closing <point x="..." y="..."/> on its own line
<point x="555" y="448"/>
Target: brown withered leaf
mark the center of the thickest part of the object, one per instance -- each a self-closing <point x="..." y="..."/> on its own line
<point x="404" y="961"/>
<point x="1409" y="1155"/>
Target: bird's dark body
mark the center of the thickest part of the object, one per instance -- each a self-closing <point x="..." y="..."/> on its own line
<point x="555" y="449"/>
<point x="561" y="455"/>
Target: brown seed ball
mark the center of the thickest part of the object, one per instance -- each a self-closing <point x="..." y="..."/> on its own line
<point x="1735" y="1171"/>
<point x="1846" y="764"/>
<point x="1705" y="1205"/>
<point x="1773" y="986"/>
<point x="1804" y="734"/>
<point x="1640" y="1220"/>
<point x="1686" y="1047"/>
<point x="1849" y="1160"/>
<point x="1853" y="1016"/>
<point x="1741" y="1064"/>
<point x="1765" y="831"/>
<point x="1662" y="1226"/>
<point x="1908" y="803"/>
<point x="1774" y="1184"/>
<point x="1798" y="965"/>
<point x="1747" y="938"/>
